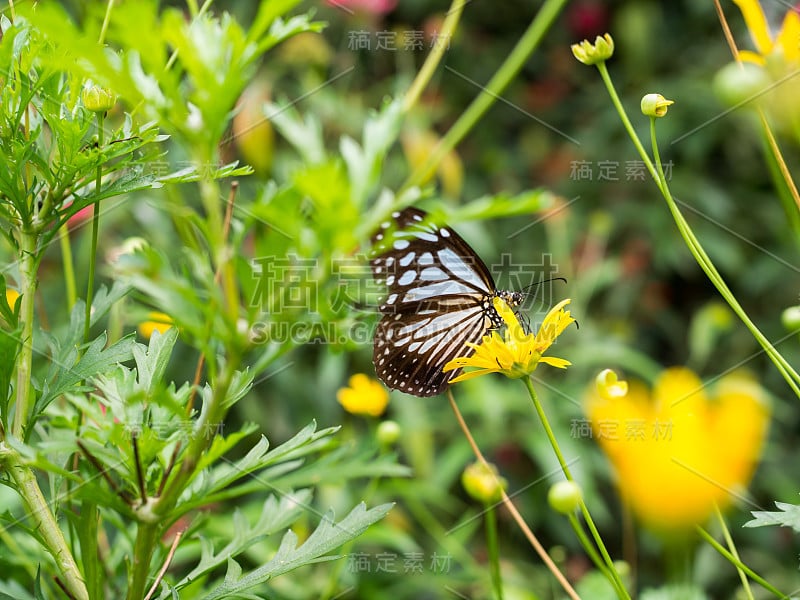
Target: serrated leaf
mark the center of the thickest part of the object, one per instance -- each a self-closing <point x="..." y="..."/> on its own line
<point x="96" y="359"/>
<point x="276" y="515"/>
<point x="152" y="360"/>
<point x="328" y="536"/>
<point x="789" y="516"/>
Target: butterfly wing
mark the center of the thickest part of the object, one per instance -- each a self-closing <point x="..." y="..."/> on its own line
<point x="438" y="295"/>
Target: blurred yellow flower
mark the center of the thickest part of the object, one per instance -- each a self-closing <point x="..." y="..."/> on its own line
<point x="418" y="145"/>
<point x="157" y="321"/>
<point x="676" y="451"/>
<point x="364" y="396"/>
<point x="517" y="353"/>
<point x="11" y="297"/>
<point x="785" y="42"/>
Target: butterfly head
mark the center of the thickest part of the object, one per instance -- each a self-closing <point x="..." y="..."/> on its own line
<point x="513" y="299"/>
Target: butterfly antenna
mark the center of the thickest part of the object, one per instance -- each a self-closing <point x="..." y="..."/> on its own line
<point x="564" y="279"/>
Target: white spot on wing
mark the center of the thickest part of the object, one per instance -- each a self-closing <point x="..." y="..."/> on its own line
<point x="426" y="258"/>
<point x="406" y="260"/>
<point x="432" y="274"/>
<point x="400" y="244"/>
<point x="407" y="277"/>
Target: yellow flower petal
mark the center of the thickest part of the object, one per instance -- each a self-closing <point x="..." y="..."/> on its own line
<point x="673" y="450"/>
<point x="789" y="37"/>
<point x="752" y="57"/>
<point x="757" y="24"/>
<point x="363" y="396"/>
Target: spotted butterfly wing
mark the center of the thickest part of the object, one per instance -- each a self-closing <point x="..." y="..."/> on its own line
<point x="439" y="297"/>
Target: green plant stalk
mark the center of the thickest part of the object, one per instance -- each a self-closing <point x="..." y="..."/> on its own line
<point x="705" y="262"/>
<point x="507" y="71"/>
<point x="733" y="551"/>
<point x="782" y="185"/>
<point x="435" y="57"/>
<point x="656" y="172"/>
<point x="44" y="522"/>
<point x="106" y="21"/>
<point x="612" y="571"/>
<point x="95" y="232"/>
<point x="68" y="267"/>
<point x="588" y="545"/>
<point x="23" y="390"/>
<point x="144" y="546"/>
<point x="494" y="552"/>
<point x="89" y="524"/>
<point x="739" y="564"/>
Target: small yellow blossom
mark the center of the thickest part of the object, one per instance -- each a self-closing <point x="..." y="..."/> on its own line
<point x="364" y="396"/>
<point x="677" y="452"/>
<point x="157" y="321"/>
<point x="517" y="353"/>
<point x="98" y="99"/>
<point x="784" y="43"/>
<point x="591" y="54"/>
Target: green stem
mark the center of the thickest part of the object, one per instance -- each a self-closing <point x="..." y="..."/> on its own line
<point x="705" y="262"/>
<point x="44" y="522"/>
<point x="146" y="540"/>
<point x="24" y="366"/>
<point x="95" y="230"/>
<point x="734" y="552"/>
<point x="739" y="564"/>
<point x="657" y="173"/>
<point x="494" y="553"/>
<point x="68" y="267"/>
<point x="435" y="57"/>
<point x="612" y="571"/>
<point x="106" y="21"/>
<point x="507" y="71"/>
<point x="588" y="545"/>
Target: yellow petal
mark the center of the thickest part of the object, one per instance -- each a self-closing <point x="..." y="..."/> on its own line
<point x="559" y="363"/>
<point x="757" y="24"/>
<point x="473" y="374"/>
<point x="789" y="37"/>
<point x="751" y="57"/>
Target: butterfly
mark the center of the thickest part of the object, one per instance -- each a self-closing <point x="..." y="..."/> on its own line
<point x="439" y="298"/>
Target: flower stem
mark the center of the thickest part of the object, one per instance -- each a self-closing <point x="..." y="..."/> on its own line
<point x="24" y="366"/>
<point x="739" y="564"/>
<point x="494" y="553"/>
<point x="612" y="571"/>
<point x="44" y="522"/>
<point x="435" y="57"/>
<point x="657" y="173"/>
<point x="68" y="267"/>
<point x="732" y="547"/>
<point x="705" y="262"/>
<point x="507" y="71"/>
<point x="537" y="546"/>
<point x="95" y="230"/>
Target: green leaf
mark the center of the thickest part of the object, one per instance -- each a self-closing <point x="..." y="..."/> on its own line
<point x="72" y="372"/>
<point x="789" y="516"/>
<point x="152" y="361"/>
<point x="276" y="515"/>
<point x="325" y="538"/>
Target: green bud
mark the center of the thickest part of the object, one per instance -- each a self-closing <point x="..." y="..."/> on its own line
<point x="98" y="99"/>
<point x="737" y="83"/>
<point x="388" y="433"/>
<point x="564" y="497"/>
<point x="655" y="105"/>
<point x="791" y="318"/>
<point x="591" y="54"/>
<point x="483" y="483"/>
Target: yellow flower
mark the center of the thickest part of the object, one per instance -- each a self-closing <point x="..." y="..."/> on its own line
<point x="365" y="396"/>
<point x="517" y="353"/>
<point x="785" y="42"/>
<point x="676" y="451"/>
<point x="11" y="297"/>
<point x="157" y="321"/>
<point x="591" y="54"/>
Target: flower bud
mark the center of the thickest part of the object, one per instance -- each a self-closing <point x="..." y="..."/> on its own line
<point x="482" y="482"/>
<point x="737" y="83"/>
<point x="791" y="318"/>
<point x="655" y="105"/>
<point x="98" y="99"/>
<point x="564" y="497"/>
<point x="591" y="54"/>
<point x="388" y="433"/>
<point x="609" y="386"/>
